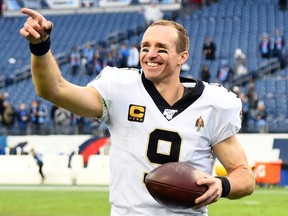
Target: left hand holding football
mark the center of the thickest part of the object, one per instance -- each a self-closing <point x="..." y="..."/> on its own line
<point x="212" y="195"/>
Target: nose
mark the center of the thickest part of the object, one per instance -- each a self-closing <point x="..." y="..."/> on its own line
<point x="152" y="53"/>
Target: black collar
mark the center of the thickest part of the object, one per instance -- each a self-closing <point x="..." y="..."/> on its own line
<point x="193" y="93"/>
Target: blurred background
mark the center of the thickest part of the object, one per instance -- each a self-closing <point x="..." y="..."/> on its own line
<point x="239" y="44"/>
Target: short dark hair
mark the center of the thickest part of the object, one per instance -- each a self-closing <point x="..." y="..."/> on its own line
<point x="183" y="43"/>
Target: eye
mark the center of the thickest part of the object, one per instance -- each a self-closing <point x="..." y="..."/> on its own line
<point x="145" y="50"/>
<point x="162" y="51"/>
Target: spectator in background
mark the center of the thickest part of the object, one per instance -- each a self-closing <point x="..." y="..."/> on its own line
<point x="277" y="44"/>
<point x="209" y="49"/>
<point x="239" y="63"/>
<point x="245" y="106"/>
<point x="38" y="117"/>
<point x="252" y="100"/>
<point x="152" y="13"/>
<point x="19" y="149"/>
<point x="123" y="55"/>
<point x="188" y="6"/>
<point x="38" y="159"/>
<point x="111" y="60"/>
<point x="9" y="116"/>
<point x="225" y="74"/>
<point x="87" y="3"/>
<point x="75" y="60"/>
<point x="245" y="110"/>
<point x="6" y="96"/>
<point x="133" y="57"/>
<point x="113" y="57"/>
<point x="236" y="90"/>
<point x="261" y="116"/>
<point x="62" y="121"/>
<point x="265" y="46"/>
<point x="22" y="118"/>
<point x="205" y="73"/>
<point x="102" y="55"/>
<point x="97" y="62"/>
<point x="87" y="58"/>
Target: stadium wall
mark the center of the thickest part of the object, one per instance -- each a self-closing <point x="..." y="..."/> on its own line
<point x="260" y="148"/>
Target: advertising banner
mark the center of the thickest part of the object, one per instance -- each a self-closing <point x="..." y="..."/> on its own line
<point x="60" y="4"/>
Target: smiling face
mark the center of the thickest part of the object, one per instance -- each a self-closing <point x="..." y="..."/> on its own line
<point x="161" y="55"/>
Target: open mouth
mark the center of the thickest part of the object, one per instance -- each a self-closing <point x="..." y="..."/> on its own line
<point x="152" y="64"/>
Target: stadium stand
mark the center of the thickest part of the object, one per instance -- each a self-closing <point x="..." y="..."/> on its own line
<point x="232" y="24"/>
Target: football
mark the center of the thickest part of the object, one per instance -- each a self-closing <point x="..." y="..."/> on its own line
<point x="173" y="185"/>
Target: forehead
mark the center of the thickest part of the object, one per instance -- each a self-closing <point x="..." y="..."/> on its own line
<point x="158" y="34"/>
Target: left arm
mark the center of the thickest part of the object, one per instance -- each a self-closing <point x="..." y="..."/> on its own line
<point x="240" y="176"/>
<point x="231" y="154"/>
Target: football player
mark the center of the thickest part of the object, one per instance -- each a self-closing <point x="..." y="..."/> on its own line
<point x="154" y="117"/>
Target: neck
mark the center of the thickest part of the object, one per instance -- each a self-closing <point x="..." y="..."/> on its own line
<point x="171" y="93"/>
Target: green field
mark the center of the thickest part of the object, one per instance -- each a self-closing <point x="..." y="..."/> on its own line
<point x="91" y="201"/>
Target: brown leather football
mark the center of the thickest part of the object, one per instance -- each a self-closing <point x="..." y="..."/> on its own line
<point x="173" y="185"/>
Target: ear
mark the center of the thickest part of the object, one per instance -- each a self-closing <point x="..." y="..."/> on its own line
<point x="183" y="57"/>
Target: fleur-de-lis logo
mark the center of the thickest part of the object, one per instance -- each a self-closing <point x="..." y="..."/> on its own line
<point x="199" y="123"/>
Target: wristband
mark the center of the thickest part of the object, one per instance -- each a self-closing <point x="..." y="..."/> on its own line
<point x="40" y="48"/>
<point x="225" y="186"/>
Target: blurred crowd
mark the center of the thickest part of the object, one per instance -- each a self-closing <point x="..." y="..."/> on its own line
<point x="91" y="60"/>
<point x="37" y="119"/>
<point x="254" y="110"/>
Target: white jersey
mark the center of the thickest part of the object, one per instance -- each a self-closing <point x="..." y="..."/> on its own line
<point x="146" y="132"/>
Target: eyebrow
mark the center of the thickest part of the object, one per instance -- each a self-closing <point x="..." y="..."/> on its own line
<point x="159" y="45"/>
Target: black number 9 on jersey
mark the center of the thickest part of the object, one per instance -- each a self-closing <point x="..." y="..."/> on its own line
<point x="156" y="137"/>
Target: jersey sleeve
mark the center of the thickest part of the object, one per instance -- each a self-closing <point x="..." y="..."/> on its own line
<point x="226" y="115"/>
<point x="102" y="83"/>
<point x="109" y="83"/>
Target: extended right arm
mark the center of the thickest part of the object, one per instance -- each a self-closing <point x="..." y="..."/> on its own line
<point x="48" y="81"/>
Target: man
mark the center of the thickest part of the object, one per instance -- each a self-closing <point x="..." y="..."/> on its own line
<point x="151" y="117"/>
<point x="133" y="57"/>
<point x="38" y="159"/>
<point x="277" y="44"/>
<point x="209" y="49"/>
<point x="152" y="13"/>
<point x="19" y="149"/>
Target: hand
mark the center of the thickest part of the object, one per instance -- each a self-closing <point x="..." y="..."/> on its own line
<point x="213" y="193"/>
<point x="36" y="29"/>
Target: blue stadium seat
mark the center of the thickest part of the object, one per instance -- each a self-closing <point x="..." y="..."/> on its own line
<point x="230" y="23"/>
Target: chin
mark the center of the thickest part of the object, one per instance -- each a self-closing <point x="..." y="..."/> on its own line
<point x="152" y="77"/>
<point x="150" y="74"/>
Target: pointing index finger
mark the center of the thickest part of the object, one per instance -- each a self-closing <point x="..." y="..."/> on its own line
<point x="33" y="14"/>
<point x="39" y="18"/>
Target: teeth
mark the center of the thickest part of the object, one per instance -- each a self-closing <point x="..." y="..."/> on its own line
<point x="152" y="64"/>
